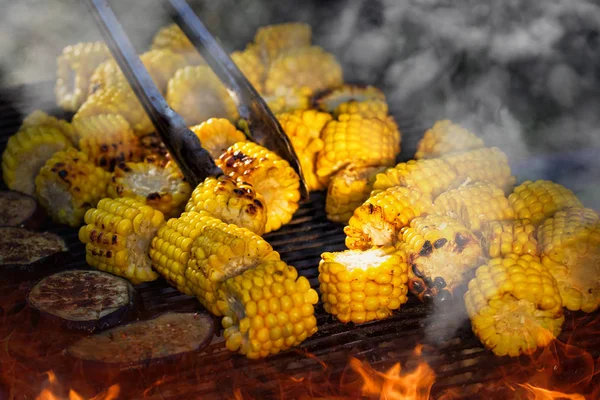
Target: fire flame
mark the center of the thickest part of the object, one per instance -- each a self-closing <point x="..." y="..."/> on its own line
<point x="545" y="394"/>
<point x="50" y="393"/>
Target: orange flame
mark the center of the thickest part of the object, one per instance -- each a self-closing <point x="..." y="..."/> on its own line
<point x="50" y="393"/>
<point x="545" y="394"/>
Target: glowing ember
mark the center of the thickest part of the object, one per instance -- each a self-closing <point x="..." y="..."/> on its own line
<point x="50" y="393"/>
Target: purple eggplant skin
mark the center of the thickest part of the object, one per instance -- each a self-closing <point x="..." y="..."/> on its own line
<point x="20" y="210"/>
<point x="64" y="298"/>
<point x="27" y="255"/>
<point x="169" y="337"/>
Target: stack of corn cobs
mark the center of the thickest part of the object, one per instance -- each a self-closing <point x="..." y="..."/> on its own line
<point x="426" y="226"/>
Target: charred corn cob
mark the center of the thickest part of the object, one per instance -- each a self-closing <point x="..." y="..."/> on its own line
<point x="217" y="135"/>
<point x="368" y="109"/>
<point x="431" y="177"/>
<point x="25" y="154"/>
<point x="362" y="286"/>
<point x="330" y="100"/>
<point x="267" y="309"/>
<point x="570" y="249"/>
<point x="540" y="200"/>
<point x="379" y="220"/>
<point x="310" y="66"/>
<point x="515" y="236"/>
<point x="107" y="140"/>
<point x="353" y="139"/>
<point x="161" y="187"/>
<point x="118" y="235"/>
<point x="152" y="146"/>
<point x="197" y="95"/>
<point x="289" y="99"/>
<point x="272" y="40"/>
<point x="485" y="164"/>
<point x="75" y="67"/>
<point x="160" y="63"/>
<point x="69" y="184"/>
<point x="444" y="138"/>
<point x="39" y="118"/>
<point x="117" y="100"/>
<point x="231" y="202"/>
<point x="441" y="252"/>
<point x="304" y="127"/>
<point x="474" y="204"/>
<point x="171" y="37"/>
<point x="514" y="305"/>
<point x="270" y="175"/>
<point x="348" y="189"/>
<point x="250" y="63"/>
<point x="222" y="251"/>
<point x="172" y="247"/>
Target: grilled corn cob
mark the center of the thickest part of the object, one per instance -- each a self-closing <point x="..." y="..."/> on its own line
<point x="379" y="220"/>
<point x="69" y="184"/>
<point x="217" y="135"/>
<point x="540" y="200"/>
<point x="75" y="67"/>
<point x="311" y="66"/>
<point x="197" y="95"/>
<point x="348" y="189"/>
<point x="353" y="139"/>
<point x="25" y="154"/>
<point x="160" y="63"/>
<point x="107" y="140"/>
<point x="250" y="63"/>
<point x="117" y="100"/>
<point x="368" y="109"/>
<point x="474" y="204"/>
<point x="272" y="40"/>
<point x="289" y="99"/>
<point x="118" y="235"/>
<point x="222" y="251"/>
<point x="171" y="37"/>
<point x="330" y="100"/>
<point x="431" y="177"/>
<point x="39" y="118"/>
<point x="515" y="236"/>
<point x="304" y="127"/>
<point x="231" y="202"/>
<point x="172" y="247"/>
<point x="441" y="251"/>
<point x="362" y="286"/>
<point x="270" y="175"/>
<point x="152" y="146"/>
<point x="485" y="164"/>
<point x="444" y="138"/>
<point x="149" y="182"/>
<point x="570" y="249"/>
<point x="267" y="309"/>
<point x="514" y="305"/>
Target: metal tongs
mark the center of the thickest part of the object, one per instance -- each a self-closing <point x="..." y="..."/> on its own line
<point x="183" y="145"/>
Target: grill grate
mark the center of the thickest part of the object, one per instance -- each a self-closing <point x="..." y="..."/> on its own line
<point x="450" y="348"/>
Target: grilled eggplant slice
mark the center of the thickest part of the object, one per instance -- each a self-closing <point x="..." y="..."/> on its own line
<point x="22" y="251"/>
<point x="18" y="209"/>
<point x="84" y="300"/>
<point x="168" y="335"/>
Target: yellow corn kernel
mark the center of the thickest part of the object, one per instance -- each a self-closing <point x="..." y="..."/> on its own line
<point x="515" y="236"/>
<point x="250" y="63"/>
<point x="331" y="99"/>
<point x="39" y="118"/>
<point x="368" y="109"/>
<point x="272" y="40"/>
<point x="445" y="137"/>
<point x="171" y="37"/>
<point x="286" y="99"/>
<point x="485" y="164"/>
<point x="217" y="135"/>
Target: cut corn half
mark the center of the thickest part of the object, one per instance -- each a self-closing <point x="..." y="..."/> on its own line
<point x="362" y="286"/>
<point x="149" y="182"/>
<point x="171" y="37"/>
<point x="379" y="220"/>
<point x="286" y="99"/>
<point x="441" y="252"/>
<point x="217" y="135"/>
<point x="368" y="109"/>
<point x="38" y="119"/>
<point x="272" y="40"/>
<point x="267" y="309"/>
<point x="69" y="184"/>
<point x="153" y="147"/>
<point x="117" y="238"/>
<point x="251" y="64"/>
<point x="231" y="202"/>
<point x="514" y="305"/>
<point x="26" y="153"/>
<point x="269" y="174"/>
<point x="518" y="236"/>
<point x="330" y="100"/>
<point x="540" y="200"/>
<point x="485" y="164"/>
<point x="445" y="137"/>
<point x="570" y="249"/>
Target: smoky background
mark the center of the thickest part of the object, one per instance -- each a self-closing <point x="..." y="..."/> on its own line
<point x="522" y="74"/>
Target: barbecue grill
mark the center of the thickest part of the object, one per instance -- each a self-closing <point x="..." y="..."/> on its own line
<point x="320" y="367"/>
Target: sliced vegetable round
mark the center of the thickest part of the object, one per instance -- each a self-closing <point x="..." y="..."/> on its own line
<point x="18" y="209"/>
<point x="84" y="300"/>
<point x="22" y="250"/>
